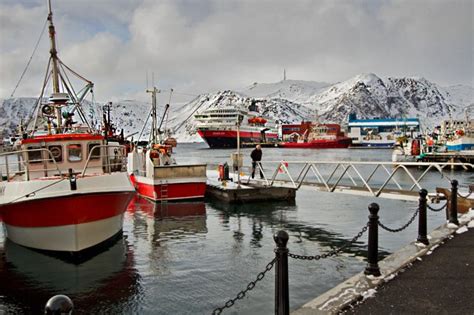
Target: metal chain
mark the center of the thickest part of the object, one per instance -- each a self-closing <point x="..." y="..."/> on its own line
<point x="401" y="228"/>
<point x="333" y="252"/>
<point x="242" y="293"/>
<point x="467" y="196"/>
<point x="439" y="209"/>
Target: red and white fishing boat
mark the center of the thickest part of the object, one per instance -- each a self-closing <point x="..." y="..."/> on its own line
<point x="64" y="188"/>
<point x="154" y="171"/>
<point x="314" y="136"/>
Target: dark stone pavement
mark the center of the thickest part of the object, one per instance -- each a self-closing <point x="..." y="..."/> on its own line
<point x="441" y="283"/>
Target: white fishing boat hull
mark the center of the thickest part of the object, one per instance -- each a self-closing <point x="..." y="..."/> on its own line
<point x="48" y="214"/>
<point x="460" y="144"/>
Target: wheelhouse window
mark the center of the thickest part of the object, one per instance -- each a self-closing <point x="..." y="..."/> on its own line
<point x="56" y="152"/>
<point x="34" y="156"/>
<point x="95" y="152"/>
<point x="74" y="152"/>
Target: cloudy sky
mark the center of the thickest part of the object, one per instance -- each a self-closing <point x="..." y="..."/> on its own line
<point x="197" y="46"/>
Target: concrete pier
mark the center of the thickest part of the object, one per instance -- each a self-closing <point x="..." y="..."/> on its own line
<point x="416" y="279"/>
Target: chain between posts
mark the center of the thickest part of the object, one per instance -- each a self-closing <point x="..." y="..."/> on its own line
<point x="242" y="293"/>
<point x="403" y="227"/>
<point x="333" y="252"/>
<point x="437" y="209"/>
<point x="466" y="196"/>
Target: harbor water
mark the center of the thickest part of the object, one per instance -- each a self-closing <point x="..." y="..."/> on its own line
<point x="189" y="258"/>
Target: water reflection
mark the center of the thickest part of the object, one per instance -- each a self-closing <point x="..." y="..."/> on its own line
<point x="30" y="278"/>
<point x="259" y="214"/>
<point x="160" y="225"/>
<point x="167" y="221"/>
<point x="280" y="216"/>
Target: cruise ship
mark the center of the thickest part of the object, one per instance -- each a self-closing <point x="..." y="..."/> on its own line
<point x="219" y="126"/>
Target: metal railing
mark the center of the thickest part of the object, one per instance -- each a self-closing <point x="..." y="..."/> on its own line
<point x="109" y="163"/>
<point x="14" y="163"/>
<point x="371" y="177"/>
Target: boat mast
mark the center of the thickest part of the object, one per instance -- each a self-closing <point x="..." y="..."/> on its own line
<point x="54" y="61"/>
<point x="154" y="134"/>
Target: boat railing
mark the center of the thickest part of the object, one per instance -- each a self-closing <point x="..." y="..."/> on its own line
<point x="13" y="164"/>
<point x="112" y="158"/>
<point x="369" y="178"/>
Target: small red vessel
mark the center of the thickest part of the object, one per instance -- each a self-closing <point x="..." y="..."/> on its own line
<point x="314" y="136"/>
<point x="156" y="175"/>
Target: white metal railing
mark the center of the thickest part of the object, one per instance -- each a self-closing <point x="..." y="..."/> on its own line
<point x="115" y="162"/>
<point x="14" y="163"/>
<point x="371" y="177"/>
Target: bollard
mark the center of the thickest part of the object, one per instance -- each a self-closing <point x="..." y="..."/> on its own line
<point x="59" y="305"/>
<point x="453" y="210"/>
<point x="422" y="224"/>
<point x="373" y="251"/>
<point x="282" y="295"/>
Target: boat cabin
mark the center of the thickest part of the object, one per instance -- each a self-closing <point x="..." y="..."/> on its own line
<point x="61" y="154"/>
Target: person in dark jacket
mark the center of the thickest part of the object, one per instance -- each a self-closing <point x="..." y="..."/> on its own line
<point x="256" y="156"/>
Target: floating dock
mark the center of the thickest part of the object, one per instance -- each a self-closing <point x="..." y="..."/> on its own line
<point x="231" y="192"/>
<point x="449" y="157"/>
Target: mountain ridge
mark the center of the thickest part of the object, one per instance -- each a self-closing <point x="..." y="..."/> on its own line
<point x="289" y="101"/>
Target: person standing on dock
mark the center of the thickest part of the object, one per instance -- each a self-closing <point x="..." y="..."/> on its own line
<point x="256" y="156"/>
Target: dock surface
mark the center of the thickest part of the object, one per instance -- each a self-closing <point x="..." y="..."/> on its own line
<point x="232" y="192"/>
<point x="441" y="283"/>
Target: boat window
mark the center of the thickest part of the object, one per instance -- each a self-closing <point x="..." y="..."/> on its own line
<point x="95" y="153"/>
<point x="56" y="152"/>
<point x="34" y="156"/>
<point x="74" y="152"/>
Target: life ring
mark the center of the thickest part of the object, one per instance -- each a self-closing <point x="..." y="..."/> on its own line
<point x="56" y="152"/>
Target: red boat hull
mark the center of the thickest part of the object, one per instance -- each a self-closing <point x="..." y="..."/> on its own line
<point x="228" y="138"/>
<point x="67" y="210"/>
<point x="170" y="191"/>
<point x="69" y="223"/>
<point x="319" y="144"/>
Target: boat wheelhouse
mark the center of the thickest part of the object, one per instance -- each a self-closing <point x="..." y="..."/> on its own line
<point x="381" y="132"/>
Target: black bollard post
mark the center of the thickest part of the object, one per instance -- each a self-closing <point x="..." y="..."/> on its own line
<point x="282" y="295"/>
<point x="373" y="251"/>
<point x="59" y="305"/>
<point x="453" y="211"/>
<point x="422" y="224"/>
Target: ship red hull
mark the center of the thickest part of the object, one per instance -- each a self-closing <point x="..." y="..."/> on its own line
<point x="228" y="138"/>
<point x="170" y="191"/>
<point x="318" y="144"/>
<point x="66" y="210"/>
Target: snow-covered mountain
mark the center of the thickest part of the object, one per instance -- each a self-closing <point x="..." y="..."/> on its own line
<point x="290" y="101"/>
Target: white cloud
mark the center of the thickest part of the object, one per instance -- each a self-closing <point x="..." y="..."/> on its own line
<point x="229" y="44"/>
